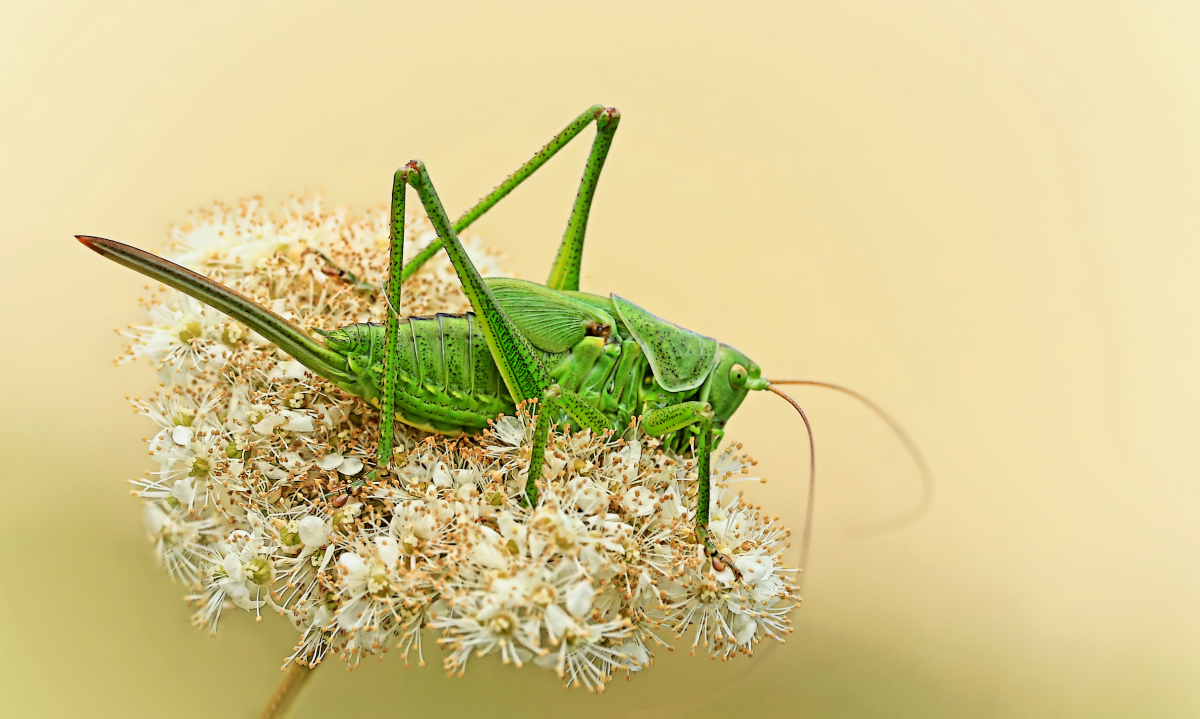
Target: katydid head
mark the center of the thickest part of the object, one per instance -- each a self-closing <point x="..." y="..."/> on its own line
<point x="733" y="376"/>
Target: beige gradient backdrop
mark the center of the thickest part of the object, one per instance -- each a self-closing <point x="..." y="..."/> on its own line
<point x="982" y="214"/>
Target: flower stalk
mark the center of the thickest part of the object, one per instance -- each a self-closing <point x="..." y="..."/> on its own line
<point x="295" y="676"/>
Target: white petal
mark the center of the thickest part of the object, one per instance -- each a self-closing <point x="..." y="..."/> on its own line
<point x="592" y="559"/>
<point x="271" y="471"/>
<point x="246" y="603"/>
<point x="537" y="544"/>
<point x="441" y="477"/>
<point x="258" y="524"/>
<point x="594" y="632"/>
<point x="323" y="617"/>
<point x="508" y="525"/>
<point x="267" y="424"/>
<point x="389" y="550"/>
<point x="547" y="661"/>
<point x="510" y="430"/>
<point x="754" y="569"/>
<point x="329" y="415"/>
<point x="184" y="491"/>
<point x="233" y="568"/>
<point x="348" y="615"/>
<point x="488" y="555"/>
<point x="744" y="629"/>
<point x="353" y="564"/>
<point x="591" y="497"/>
<point x="298" y="422"/>
<point x="330" y="461"/>
<point x="557" y="621"/>
<point x="181" y="435"/>
<point x="553" y="466"/>
<point x="579" y="598"/>
<point x="235" y="590"/>
<point x="638" y="656"/>
<point x="442" y="509"/>
<point x="640" y="501"/>
<point x="465" y="477"/>
<point x="508" y="591"/>
<point x="154" y="518"/>
<point x="314" y="531"/>
<point x="292" y="369"/>
<point x="350" y="466"/>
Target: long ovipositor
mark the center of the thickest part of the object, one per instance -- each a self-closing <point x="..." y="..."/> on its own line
<point x="290" y="338"/>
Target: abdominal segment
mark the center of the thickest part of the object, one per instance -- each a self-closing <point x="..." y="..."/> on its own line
<point x="447" y="380"/>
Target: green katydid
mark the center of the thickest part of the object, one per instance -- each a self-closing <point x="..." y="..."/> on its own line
<point x="589" y="361"/>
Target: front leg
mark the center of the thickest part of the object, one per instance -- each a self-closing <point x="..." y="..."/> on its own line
<point x="665" y="420"/>
<point x="582" y="413"/>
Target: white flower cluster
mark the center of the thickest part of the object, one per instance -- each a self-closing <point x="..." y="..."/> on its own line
<point x="265" y="495"/>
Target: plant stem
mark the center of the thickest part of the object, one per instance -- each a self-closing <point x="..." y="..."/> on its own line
<point x="289" y="688"/>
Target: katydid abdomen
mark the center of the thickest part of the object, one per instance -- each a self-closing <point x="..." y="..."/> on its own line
<point x="448" y="382"/>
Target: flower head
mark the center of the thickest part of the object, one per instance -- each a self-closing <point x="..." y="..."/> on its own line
<point x="264" y="493"/>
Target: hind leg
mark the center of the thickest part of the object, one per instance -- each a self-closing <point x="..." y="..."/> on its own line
<point x="387" y="424"/>
<point x="564" y="275"/>
<point x="566" y="265"/>
<point x="519" y="363"/>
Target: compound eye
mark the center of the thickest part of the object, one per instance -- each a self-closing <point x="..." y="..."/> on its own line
<point x="737" y="376"/>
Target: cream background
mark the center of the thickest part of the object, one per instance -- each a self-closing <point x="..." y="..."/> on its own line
<point x="982" y="214"/>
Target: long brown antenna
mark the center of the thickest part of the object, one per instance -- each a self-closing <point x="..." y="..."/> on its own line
<point x="806" y="536"/>
<point x="919" y="459"/>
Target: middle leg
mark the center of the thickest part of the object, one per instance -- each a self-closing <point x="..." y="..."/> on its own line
<point x="674" y="418"/>
<point x="556" y="398"/>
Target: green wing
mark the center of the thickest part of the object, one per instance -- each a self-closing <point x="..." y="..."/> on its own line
<point x="680" y="358"/>
<point x="549" y="319"/>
